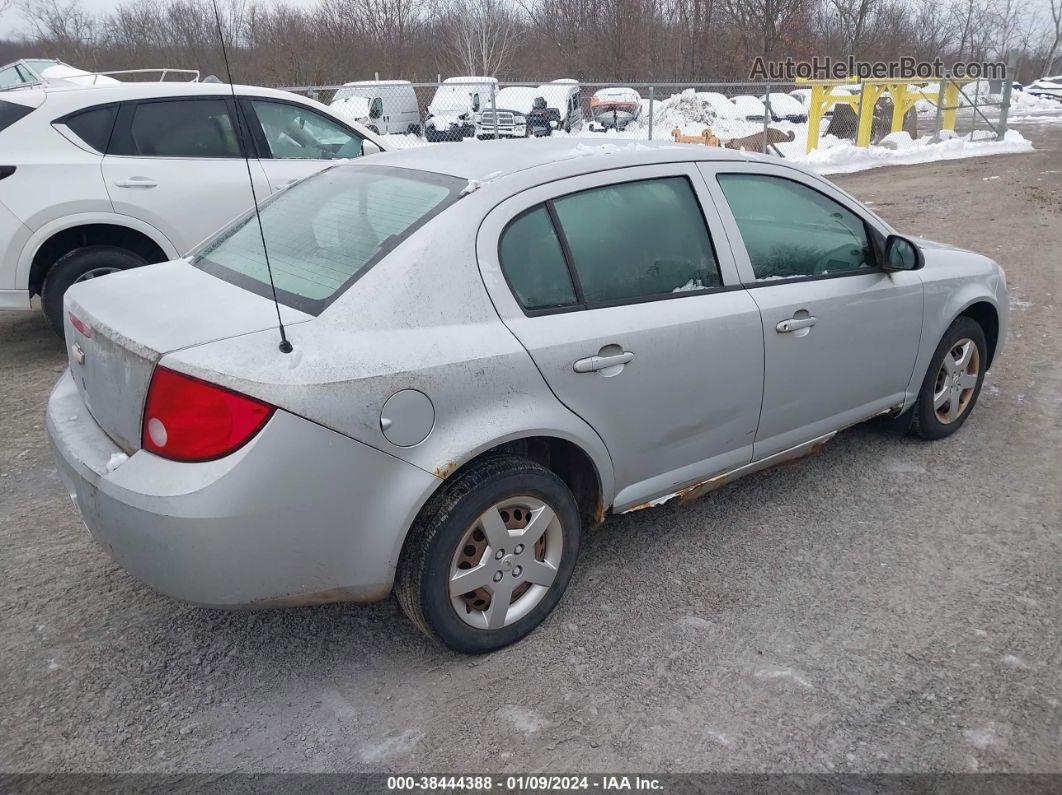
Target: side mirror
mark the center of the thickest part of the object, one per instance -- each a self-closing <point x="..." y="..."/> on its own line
<point x="902" y="255"/>
<point x="370" y="148"/>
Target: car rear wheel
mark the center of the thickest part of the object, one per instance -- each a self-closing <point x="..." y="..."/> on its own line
<point x="490" y="555"/>
<point x="953" y="381"/>
<point x="79" y="265"/>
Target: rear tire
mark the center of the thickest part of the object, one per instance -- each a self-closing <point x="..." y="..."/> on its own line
<point x="469" y="527"/>
<point x="78" y="265"/>
<point x="951" y="386"/>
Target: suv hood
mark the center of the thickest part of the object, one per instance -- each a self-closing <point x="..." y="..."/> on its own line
<point x="134" y="317"/>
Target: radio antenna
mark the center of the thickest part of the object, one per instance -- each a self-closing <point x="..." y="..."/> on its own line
<point x="241" y="121"/>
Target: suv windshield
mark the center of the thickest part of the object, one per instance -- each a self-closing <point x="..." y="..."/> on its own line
<point x="325" y="232"/>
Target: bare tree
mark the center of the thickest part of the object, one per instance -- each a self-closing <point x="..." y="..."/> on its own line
<point x="763" y="23"/>
<point x="66" y="26"/>
<point x="853" y="18"/>
<point x="1056" y="37"/>
<point x="479" y="36"/>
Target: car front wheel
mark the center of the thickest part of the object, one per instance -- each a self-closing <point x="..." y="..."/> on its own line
<point x="490" y="555"/>
<point x="953" y="381"/>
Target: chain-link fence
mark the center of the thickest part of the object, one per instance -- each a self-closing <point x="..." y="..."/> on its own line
<point x="786" y="119"/>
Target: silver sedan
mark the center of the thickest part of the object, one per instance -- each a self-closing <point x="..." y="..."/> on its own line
<point x="489" y="353"/>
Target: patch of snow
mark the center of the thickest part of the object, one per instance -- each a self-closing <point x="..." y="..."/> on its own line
<point x="846" y="158"/>
<point x="390" y="747"/>
<point x="692" y="284"/>
<point x="981" y="738"/>
<point x="475" y="184"/>
<point x="696" y="622"/>
<point x="898" y="140"/>
<point x="784" y="673"/>
<point x="115" y="461"/>
<point x="523" y="720"/>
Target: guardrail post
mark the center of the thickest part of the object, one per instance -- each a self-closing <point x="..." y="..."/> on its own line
<point x="766" y="113"/>
<point x="868" y="99"/>
<point x="940" y="110"/>
<point x="1004" y="105"/>
<point x="650" y="113"/>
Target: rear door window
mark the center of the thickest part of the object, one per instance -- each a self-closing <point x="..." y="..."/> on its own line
<point x="10" y="112"/>
<point x="323" y="233"/>
<point x="638" y="240"/>
<point x="197" y="128"/>
<point x="533" y="262"/>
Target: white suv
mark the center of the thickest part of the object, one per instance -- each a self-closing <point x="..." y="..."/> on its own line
<point x="95" y="179"/>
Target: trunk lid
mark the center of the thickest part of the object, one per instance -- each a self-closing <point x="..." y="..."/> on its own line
<point x="135" y="317"/>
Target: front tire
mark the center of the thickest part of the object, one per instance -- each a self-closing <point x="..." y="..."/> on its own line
<point x="490" y="555"/>
<point x="79" y="265"/>
<point x="953" y="381"/>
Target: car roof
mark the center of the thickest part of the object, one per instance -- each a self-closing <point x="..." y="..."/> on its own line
<point x="489" y="160"/>
<point x="119" y="92"/>
<point x="375" y="83"/>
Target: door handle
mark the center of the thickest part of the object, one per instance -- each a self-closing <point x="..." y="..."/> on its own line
<point x="591" y="364"/>
<point x="137" y="182"/>
<point x="794" y="324"/>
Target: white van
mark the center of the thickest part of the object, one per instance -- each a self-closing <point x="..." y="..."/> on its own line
<point x="451" y="114"/>
<point x="384" y="106"/>
<point x="562" y="109"/>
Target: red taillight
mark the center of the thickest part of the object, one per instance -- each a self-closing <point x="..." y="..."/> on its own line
<point x="186" y="419"/>
<point x="76" y="322"/>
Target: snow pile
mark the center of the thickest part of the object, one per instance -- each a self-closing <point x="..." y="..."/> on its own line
<point x="845" y="158"/>
<point x="1022" y="102"/>
<point x="686" y="109"/>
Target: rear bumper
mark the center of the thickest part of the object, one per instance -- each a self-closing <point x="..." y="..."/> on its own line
<point x="300" y="515"/>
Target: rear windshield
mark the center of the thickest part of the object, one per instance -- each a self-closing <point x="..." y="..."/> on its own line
<point x="325" y="232"/>
<point x="10" y="113"/>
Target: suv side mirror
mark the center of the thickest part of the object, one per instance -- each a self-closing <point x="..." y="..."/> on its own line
<point x="370" y="148"/>
<point x="902" y="255"/>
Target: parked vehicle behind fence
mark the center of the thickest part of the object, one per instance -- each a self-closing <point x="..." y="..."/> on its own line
<point x="508" y="118"/>
<point x="749" y="107"/>
<point x="786" y="108"/>
<point x="100" y="178"/>
<point x="493" y="350"/>
<point x="386" y="107"/>
<point x="451" y="114"/>
<point x="614" y="108"/>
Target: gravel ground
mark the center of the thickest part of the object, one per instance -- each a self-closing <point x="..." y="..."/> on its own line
<point x="886" y="605"/>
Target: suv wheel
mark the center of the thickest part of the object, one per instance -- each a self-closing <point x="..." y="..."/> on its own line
<point x="953" y="381"/>
<point x="79" y="265"/>
<point x="490" y="555"/>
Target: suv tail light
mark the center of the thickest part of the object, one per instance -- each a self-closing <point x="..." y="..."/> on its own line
<point x="186" y="419"/>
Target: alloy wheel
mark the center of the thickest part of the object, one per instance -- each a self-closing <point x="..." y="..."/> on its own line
<point x="506" y="562"/>
<point x="956" y="381"/>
